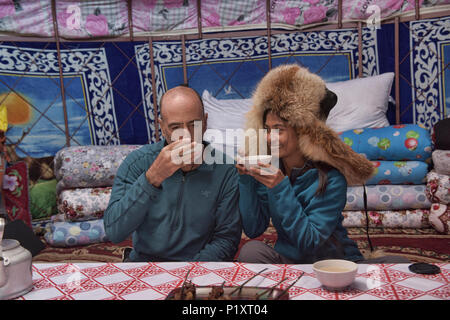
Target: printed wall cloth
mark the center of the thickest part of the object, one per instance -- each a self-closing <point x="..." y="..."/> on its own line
<point x="109" y="99"/>
<point x="87" y="19"/>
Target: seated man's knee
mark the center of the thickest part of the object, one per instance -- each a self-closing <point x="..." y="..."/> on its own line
<point x="253" y="252"/>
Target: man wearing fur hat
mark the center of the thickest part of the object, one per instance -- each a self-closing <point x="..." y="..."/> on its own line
<point x="304" y="198"/>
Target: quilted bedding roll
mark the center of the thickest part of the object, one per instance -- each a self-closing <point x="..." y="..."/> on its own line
<point x="89" y="166"/>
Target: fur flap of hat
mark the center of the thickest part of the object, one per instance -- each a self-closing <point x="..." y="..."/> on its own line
<point x="294" y="93"/>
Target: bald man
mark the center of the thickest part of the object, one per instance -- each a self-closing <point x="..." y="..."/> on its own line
<point x="176" y="210"/>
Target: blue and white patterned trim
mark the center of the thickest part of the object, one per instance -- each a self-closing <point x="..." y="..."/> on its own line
<point x="170" y="53"/>
<point x="426" y="39"/>
<point x="90" y="64"/>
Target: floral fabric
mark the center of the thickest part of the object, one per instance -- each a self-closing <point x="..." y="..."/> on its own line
<point x="84" y="204"/>
<point x="440" y="217"/>
<point x="406" y="142"/>
<point x="388" y="197"/>
<point x="438" y="187"/>
<point x="398" y="172"/>
<point x="417" y="218"/>
<point x="441" y="161"/>
<point x="89" y="166"/>
<point x="16" y="194"/>
<point x="68" y="234"/>
<point x="85" y="19"/>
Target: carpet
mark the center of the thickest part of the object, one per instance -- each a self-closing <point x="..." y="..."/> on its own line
<point x="96" y="252"/>
<point x="418" y="245"/>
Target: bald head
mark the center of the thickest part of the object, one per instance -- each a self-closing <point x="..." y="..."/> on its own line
<point x="182" y="108"/>
<point x="179" y="100"/>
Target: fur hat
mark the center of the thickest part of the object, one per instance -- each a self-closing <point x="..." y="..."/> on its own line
<point x="302" y="98"/>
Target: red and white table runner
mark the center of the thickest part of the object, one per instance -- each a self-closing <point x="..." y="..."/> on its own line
<point x="154" y="281"/>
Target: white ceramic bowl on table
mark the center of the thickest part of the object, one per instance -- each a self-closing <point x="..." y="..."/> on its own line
<point x="335" y="274"/>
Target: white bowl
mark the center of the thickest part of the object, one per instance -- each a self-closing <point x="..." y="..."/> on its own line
<point x="334" y="273"/>
<point x="252" y="161"/>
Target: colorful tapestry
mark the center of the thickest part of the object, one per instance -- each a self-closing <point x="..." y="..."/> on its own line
<point x="86" y="19"/>
<point x="231" y="68"/>
<point x="108" y="85"/>
<point x="15" y="193"/>
<point x="430" y="102"/>
<point x="388" y="197"/>
<point x="398" y="172"/>
<point x="406" y="142"/>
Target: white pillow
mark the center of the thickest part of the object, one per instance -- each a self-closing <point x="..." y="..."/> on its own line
<point x="362" y="103"/>
<point x="225" y="114"/>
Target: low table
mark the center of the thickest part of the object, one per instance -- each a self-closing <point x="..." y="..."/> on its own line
<point x="154" y="281"/>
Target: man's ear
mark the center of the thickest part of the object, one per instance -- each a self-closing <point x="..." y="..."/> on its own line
<point x="163" y="129"/>
<point x="327" y="103"/>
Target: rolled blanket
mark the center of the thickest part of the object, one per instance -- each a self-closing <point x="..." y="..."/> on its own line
<point x="69" y="234"/>
<point x="89" y="166"/>
<point x="406" y="142"/>
<point x="388" y="197"/>
<point x="438" y="187"/>
<point x="441" y="161"/>
<point x="440" y="217"/>
<point x="84" y="203"/>
<point x="398" y="172"/>
<point x="417" y="218"/>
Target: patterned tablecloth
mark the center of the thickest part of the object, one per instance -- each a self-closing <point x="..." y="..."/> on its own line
<point x="154" y="281"/>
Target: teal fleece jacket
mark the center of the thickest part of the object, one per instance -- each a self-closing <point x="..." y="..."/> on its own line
<point x="193" y="216"/>
<point x="309" y="227"/>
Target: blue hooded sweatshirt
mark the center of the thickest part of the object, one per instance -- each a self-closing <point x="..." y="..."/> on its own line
<point x="193" y="216"/>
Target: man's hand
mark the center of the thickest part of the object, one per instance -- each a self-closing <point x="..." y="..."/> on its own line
<point x="267" y="174"/>
<point x="171" y="158"/>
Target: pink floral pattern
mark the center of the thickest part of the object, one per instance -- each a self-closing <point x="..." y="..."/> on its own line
<point x="291" y="14"/>
<point x="97" y="25"/>
<point x="6" y="8"/>
<point x="35" y="17"/>
<point x="170" y="4"/>
<point x="440" y="217"/>
<point x="438" y="187"/>
<point x="315" y="14"/>
<point x="10" y="182"/>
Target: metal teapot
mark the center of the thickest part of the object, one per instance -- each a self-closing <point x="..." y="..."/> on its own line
<point x="16" y="275"/>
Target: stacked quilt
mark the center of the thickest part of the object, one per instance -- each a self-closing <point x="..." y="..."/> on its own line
<point x="85" y="176"/>
<point x="396" y="193"/>
<point x="438" y="190"/>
